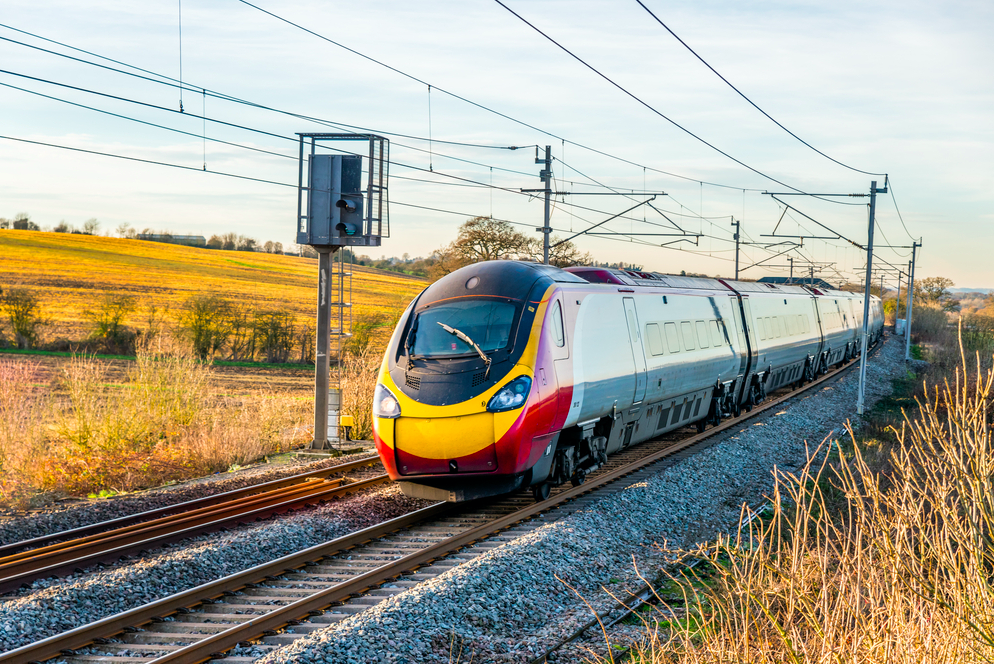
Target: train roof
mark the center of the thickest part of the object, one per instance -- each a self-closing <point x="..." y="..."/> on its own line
<point x="625" y="277"/>
<point x="766" y="287"/>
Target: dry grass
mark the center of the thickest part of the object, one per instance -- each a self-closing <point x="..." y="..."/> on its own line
<point x="358" y="384"/>
<point x="81" y="434"/>
<point x="856" y="565"/>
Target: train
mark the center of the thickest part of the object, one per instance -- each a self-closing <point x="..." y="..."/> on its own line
<point x="508" y="375"/>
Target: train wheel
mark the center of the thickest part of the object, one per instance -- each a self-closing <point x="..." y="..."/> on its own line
<point x="541" y="491"/>
<point x="579" y="477"/>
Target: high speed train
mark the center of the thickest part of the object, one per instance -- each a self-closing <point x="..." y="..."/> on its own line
<point x="504" y="375"/>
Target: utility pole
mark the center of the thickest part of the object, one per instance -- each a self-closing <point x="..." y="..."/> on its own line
<point x="897" y="302"/>
<point x="866" y="295"/>
<point x="736" y="224"/>
<point x="790" y="279"/>
<point x="811" y="279"/>
<point x="546" y="175"/>
<point x="911" y="301"/>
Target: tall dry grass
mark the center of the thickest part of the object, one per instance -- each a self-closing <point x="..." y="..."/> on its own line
<point x="164" y="422"/>
<point x="23" y="406"/>
<point x="358" y="384"/>
<point x="853" y="564"/>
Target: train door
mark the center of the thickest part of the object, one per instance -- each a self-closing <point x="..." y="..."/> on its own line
<point x="638" y="352"/>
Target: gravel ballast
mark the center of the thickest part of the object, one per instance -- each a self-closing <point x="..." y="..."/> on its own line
<point x="516" y="600"/>
<point x="52" y="606"/>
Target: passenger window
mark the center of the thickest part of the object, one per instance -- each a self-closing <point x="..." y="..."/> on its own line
<point x="558" y="332"/>
<point x="776" y="326"/>
<point x="702" y="334"/>
<point x="761" y="328"/>
<point x="688" y="335"/>
<point x="655" y="339"/>
<point x="791" y="326"/>
<point x="715" y="334"/>
<point x="672" y="339"/>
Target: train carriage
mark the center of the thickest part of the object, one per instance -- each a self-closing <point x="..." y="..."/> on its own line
<point x="505" y="375"/>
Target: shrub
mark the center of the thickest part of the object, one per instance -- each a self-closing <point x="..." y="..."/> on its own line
<point x="23" y="310"/>
<point x="928" y="323"/>
<point x="206" y="322"/>
<point x="274" y="334"/>
<point x="108" y="322"/>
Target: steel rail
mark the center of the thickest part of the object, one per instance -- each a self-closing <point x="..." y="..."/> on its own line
<point x="83" y="531"/>
<point x="52" y="551"/>
<point x="215" y="644"/>
<point x="110" y="549"/>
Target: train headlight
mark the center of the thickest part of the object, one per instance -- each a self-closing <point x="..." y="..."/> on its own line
<point x="511" y="396"/>
<point x="385" y="404"/>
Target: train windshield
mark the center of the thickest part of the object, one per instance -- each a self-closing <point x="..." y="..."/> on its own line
<point x="487" y="322"/>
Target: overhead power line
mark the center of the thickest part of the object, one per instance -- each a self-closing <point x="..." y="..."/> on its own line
<point x="641" y="101"/>
<point x="741" y="94"/>
<point x="487" y="108"/>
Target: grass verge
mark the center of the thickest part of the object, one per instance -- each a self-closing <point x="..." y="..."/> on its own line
<point x="879" y="550"/>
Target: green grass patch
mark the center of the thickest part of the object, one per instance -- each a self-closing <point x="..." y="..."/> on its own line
<point x="60" y="353"/>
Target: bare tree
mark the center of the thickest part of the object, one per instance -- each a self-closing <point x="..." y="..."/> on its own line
<point x="90" y="226"/>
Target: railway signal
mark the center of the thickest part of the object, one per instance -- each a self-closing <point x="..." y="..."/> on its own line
<point x="336" y="209"/>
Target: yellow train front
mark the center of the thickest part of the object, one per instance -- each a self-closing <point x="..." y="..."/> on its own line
<point x="457" y="411"/>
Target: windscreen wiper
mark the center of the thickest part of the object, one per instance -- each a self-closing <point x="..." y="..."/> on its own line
<point x="465" y="337"/>
<point x="409" y="343"/>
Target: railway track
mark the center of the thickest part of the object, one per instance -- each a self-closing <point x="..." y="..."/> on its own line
<point x="646" y="594"/>
<point x="109" y="541"/>
<point x="271" y="605"/>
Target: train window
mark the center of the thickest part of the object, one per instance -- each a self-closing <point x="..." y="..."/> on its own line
<point x="487" y="322"/>
<point x="558" y="333"/>
<point x="791" y="326"/>
<point x="702" y="334"/>
<point x="776" y="326"/>
<point x="761" y="328"/>
<point x="672" y="339"/>
<point x="688" y="335"/>
<point x="655" y="339"/>
<point x="715" y="334"/>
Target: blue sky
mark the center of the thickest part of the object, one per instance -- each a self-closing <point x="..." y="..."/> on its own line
<point x="899" y="88"/>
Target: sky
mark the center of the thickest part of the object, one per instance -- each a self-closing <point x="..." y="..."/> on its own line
<point x="896" y="88"/>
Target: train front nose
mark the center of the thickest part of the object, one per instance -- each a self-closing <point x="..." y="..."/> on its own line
<point x="419" y="439"/>
<point x="441" y="445"/>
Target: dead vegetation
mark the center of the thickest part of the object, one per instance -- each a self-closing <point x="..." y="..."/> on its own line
<point x="877" y="551"/>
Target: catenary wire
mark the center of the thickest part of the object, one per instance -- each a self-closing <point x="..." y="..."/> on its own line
<point x="642" y="102"/>
<point x="741" y="94"/>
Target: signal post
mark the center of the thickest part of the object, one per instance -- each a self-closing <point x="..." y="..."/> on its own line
<point x="342" y="203"/>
